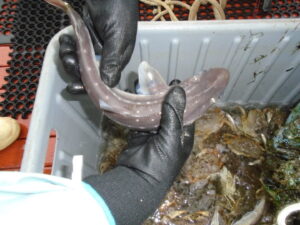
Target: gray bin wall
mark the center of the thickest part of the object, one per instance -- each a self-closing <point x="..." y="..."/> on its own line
<point x="263" y="58"/>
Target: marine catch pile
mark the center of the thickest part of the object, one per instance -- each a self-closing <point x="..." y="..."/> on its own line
<point x="239" y="172"/>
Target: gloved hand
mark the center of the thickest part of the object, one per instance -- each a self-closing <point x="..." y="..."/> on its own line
<point x="113" y="25"/>
<point x="147" y="169"/>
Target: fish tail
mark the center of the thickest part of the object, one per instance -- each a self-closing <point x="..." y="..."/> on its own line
<point x="59" y="3"/>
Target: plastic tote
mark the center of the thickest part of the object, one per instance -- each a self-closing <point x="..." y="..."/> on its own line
<point x="263" y="58"/>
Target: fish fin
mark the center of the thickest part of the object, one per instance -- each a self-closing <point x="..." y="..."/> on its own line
<point x="150" y="80"/>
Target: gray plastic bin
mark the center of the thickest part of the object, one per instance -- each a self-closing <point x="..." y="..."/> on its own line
<point x="262" y="56"/>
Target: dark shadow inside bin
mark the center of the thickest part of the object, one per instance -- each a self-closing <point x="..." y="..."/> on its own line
<point x="131" y="80"/>
<point x="91" y="112"/>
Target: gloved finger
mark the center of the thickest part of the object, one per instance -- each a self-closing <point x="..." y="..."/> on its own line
<point x="118" y="45"/>
<point x="67" y="54"/>
<point x="188" y="138"/>
<point x="89" y="23"/>
<point x="171" y="122"/>
<point x="76" y="88"/>
<point x="110" y="67"/>
<point x="113" y="61"/>
<point x="126" y="55"/>
<point x="68" y="42"/>
<point x="174" y="82"/>
<point x="136" y="138"/>
<point x="172" y="114"/>
<point x="115" y="25"/>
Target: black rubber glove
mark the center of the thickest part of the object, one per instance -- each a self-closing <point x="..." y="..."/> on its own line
<point x="113" y="25"/>
<point x="147" y="169"/>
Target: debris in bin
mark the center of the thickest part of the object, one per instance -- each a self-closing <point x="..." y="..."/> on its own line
<point x="282" y="180"/>
<point x="229" y="176"/>
<point x="115" y="137"/>
<point x="288" y="137"/>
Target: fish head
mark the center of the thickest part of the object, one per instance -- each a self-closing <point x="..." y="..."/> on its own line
<point x="218" y="77"/>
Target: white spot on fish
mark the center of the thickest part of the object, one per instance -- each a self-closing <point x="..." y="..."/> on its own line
<point x="152" y="120"/>
<point x="212" y="100"/>
<point x="185" y="111"/>
<point x="84" y="51"/>
<point x="159" y="113"/>
<point x="106" y="97"/>
<point x="148" y="103"/>
<point x="114" y="94"/>
<point x="89" y="69"/>
<point x="96" y="84"/>
<point x="137" y="111"/>
<point x="137" y="120"/>
<point x="195" y="78"/>
<point x="104" y="105"/>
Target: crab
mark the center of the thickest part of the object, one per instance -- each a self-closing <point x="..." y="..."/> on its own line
<point x="201" y="165"/>
<point x="254" y="122"/>
<point x="243" y="146"/>
<point x="213" y="121"/>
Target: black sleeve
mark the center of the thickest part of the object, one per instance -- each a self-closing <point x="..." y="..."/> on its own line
<point x="129" y="196"/>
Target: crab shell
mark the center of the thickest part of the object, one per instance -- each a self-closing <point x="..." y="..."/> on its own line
<point x="9" y="131"/>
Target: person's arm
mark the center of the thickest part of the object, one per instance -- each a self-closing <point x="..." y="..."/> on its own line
<point x="113" y="27"/>
<point x="147" y="169"/>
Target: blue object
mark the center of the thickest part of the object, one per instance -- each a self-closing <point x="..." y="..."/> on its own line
<point x="42" y="199"/>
